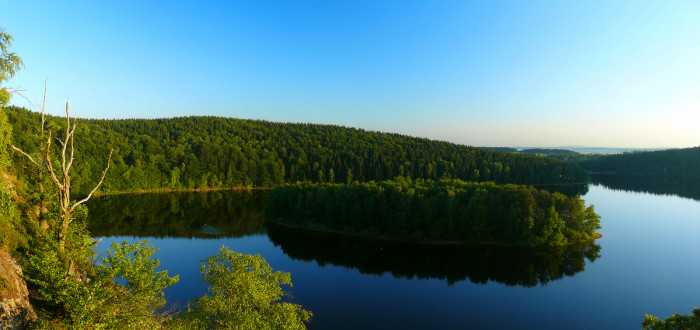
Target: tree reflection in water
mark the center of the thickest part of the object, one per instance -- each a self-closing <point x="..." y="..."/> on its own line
<point x="239" y="214"/>
<point x="479" y="263"/>
<point x="191" y="215"/>
<point x="657" y="185"/>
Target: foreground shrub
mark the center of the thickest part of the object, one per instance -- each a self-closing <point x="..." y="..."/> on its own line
<point x="244" y="293"/>
<point x="124" y="291"/>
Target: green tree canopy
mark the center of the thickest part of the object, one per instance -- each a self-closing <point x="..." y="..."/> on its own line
<point x="448" y="210"/>
<point x="673" y="322"/>
<point x="9" y="64"/>
<point x="244" y="293"/>
<point x="200" y="152"/>
<point x="101" y="302"/>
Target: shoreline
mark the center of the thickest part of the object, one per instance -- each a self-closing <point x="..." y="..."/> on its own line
<point x="170" y="190"/>
<point x="434" y="243"/>
<point x="326" y="231"/>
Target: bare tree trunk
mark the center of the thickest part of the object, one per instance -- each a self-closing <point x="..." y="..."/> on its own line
<point x="43" y="203"/>
<point x="61" y="180"/>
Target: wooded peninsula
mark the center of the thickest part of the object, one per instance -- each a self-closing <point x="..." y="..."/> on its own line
<point x="427" y="191"/>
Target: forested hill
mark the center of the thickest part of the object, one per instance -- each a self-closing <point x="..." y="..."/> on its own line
<point x="198" y="152"/>
<point x="672" y="162"/>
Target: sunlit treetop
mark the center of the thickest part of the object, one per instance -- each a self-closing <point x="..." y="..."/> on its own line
<point x="9" y="64"/>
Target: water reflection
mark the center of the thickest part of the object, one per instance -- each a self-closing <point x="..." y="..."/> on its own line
<point x="570" y="190"/>
<point x="200" y="215"/>
<point x="239" y="214"/>
<point x="658" y="185"/>
<point x="479" y="264"/>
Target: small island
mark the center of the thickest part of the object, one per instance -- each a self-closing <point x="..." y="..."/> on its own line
<point x="443" y="211"/>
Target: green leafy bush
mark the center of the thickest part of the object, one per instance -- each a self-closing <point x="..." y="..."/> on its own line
<point x="673" y="322"/>
<point x="11" y="231"/>
<point x="99" y="301"/>
<point x="244" y="293"/>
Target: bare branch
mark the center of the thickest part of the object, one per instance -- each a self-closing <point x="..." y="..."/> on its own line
<point x="49" y="165"/>
<point x="28" y="156"/>
<point x="32" y="104"/>
<point x="98" y="184"/>
<point x="42" y="126"/>
<point x="19" y="92"/>
<point x="72" y="149"/>
<point x="11" y="90"/>
<point x="43" y="107"/>
<point x="64" y="144"/>
<point x="62" y="181"/>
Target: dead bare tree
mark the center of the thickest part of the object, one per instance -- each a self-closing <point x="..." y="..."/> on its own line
<point x="62" y="179"/>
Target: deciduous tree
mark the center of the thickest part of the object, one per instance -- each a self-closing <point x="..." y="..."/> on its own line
<point x="244" y="293"/>
<point x="9" y="64"/>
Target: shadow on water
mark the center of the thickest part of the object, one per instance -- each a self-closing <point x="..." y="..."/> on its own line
<point x="658" y="185"/>
<point x="239" y="214"/>
<point x="569" y="190"/>
<point x="480" y="264"/>
<point x="191" y="215"/>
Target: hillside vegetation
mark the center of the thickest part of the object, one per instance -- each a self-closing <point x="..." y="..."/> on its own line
<point x="201" y="152"/>
<point x="672" y="162"/>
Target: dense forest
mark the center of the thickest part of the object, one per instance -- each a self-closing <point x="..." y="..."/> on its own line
<point x="205" y="152"/>
<point x="560" y="154"/>
<point x="505" y="149"/>
<point x="672" y="162"/>
<point x="445" y="210"/>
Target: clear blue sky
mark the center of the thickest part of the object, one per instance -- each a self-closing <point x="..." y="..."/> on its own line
<point x="487" y="73"/>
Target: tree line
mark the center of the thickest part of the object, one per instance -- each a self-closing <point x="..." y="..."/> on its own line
<point x="214" y="152"/>
<point x="444" y="210"/>
<point x="673" y="162"/>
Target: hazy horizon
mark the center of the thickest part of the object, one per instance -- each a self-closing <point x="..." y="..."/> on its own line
<point x="506" y="73"/>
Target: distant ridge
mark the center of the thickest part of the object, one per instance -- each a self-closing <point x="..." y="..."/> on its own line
<point x="672" y="162"/>
<point x="587" y="150"/>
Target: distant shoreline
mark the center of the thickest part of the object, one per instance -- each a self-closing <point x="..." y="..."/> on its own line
<point x="170" y="190"/>
<point x="638" y="174"/>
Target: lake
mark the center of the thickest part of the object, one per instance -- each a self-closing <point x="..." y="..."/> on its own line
<point x="648" y="261"/>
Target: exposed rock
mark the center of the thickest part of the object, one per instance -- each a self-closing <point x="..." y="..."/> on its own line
<point x="15" y="309"/>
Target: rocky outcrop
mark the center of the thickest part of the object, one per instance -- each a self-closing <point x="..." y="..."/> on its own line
<point x="15" y="309"/>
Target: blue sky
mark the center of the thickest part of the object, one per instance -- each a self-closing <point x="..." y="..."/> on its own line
<point x="488" y="73"/>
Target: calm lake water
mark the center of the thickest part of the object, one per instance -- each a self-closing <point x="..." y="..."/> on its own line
<point x="648" y="261"/>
